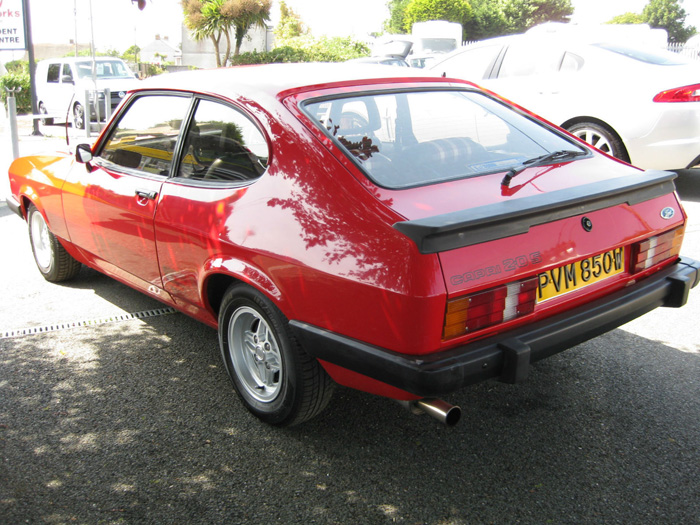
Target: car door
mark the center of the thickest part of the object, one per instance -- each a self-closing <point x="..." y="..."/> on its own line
<point x="50" y="92"/>
<point x="110" y="206"/>
<point x="224" y="153"/>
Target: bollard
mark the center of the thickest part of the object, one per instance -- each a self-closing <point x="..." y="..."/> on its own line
<point x="86" y="113"/>
<point x="12" y="110"/>
<point x="108" y="104"/>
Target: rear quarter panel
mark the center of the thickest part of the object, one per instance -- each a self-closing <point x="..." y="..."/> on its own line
<point x="311" y="238"/>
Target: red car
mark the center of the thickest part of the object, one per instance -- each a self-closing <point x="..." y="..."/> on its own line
<point x="402" y="235"/>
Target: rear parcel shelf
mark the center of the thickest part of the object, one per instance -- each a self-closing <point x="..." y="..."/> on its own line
<point x="513" y="217"/>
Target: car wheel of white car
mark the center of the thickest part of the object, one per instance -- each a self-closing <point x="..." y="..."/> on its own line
<point x="42" y="110"/>
<point x="52" y="259"/>
<point x="276" y="380"/>
<point x="78" y="116"/>
<point x="601" y="138"/>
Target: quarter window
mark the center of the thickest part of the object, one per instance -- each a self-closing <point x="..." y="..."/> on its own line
<point x="223" y="145"/>
<point x="145" y="137"/>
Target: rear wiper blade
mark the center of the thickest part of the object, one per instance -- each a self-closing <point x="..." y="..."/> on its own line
<point x="547" y="158"/>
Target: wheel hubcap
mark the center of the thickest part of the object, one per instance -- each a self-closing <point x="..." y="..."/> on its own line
<point x="255" y="355"/>
<point x="41" y="241"/>
<point x="595" y="139"/>
<point x="78" y="116"/>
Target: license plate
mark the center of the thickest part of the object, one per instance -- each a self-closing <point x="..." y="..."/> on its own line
<point x="580" y="274"/>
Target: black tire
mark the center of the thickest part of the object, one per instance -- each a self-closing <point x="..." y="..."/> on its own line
<point x="42" y="110"/>
<point x="277" y="381"/>
<point x="601" y="138"/>
<point x="52" y="259"/>
<point x="78" y="116"/>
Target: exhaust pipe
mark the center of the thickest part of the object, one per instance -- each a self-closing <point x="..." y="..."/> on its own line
<point x="437" y="408"/>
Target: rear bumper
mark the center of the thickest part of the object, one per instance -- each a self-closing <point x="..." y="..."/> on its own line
<point x="506" y="356"/>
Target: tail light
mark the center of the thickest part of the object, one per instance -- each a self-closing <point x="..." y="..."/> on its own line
<point x="655" y="249"/>
<point x="479" y="310"/>
<point x="681" y="94"/>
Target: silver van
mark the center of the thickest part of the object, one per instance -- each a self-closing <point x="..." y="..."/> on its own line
<point x="61" y="84"/>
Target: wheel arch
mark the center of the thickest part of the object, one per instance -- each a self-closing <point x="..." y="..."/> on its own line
<point x="220" y="275"/>
<point x="593" y="120"/>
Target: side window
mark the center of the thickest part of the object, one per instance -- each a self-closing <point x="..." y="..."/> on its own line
<point x="67" y="74"/>
<point x="571" y="63"/>
<point x="222" y="145"/>
<point x="523" y="60"/>
<point x="145" y="136"/>
<point x="53" y="73"/>
<point x="473" y="64"/>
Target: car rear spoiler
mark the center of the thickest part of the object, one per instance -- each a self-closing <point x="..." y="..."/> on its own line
<point x="513" y="217"/>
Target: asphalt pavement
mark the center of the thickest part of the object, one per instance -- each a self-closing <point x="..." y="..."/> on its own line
<point x="114" y="410"/>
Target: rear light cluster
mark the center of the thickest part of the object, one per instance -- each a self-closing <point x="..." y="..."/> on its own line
<point x="483" y="309"/>
<point x="655" y="249"/>
<point x="681" y="94"/>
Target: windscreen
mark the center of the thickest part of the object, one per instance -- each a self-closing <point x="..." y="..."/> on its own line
<point x="104" y="69"/>
<point x="405" y="139"/>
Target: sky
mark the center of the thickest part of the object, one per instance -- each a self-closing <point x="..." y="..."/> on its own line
<point x="118" y="24"/>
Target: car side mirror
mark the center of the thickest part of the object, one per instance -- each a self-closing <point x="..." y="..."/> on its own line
<point x="83" y="153"/>
<point x="67" y="79"/>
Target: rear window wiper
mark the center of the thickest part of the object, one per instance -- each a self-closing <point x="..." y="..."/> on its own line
<point x="560" y="155"/>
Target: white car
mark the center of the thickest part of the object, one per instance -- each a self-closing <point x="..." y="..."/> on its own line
<point x="639" y="105"/>
<point x="61" y="84"/>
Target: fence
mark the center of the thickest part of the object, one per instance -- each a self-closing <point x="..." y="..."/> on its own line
<point x="682" y="50"/>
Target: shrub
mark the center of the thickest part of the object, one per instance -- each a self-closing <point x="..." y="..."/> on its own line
<point x="307" y="49"/>
<point x="24" y="97"/>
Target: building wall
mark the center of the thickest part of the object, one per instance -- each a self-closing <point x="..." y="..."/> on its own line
<point x="201" y="54"/>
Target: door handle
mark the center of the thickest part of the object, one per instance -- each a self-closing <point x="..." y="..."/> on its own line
<point x="143" y="194"/>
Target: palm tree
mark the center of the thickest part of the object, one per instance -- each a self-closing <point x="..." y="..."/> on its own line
<point x="214" y="19"/>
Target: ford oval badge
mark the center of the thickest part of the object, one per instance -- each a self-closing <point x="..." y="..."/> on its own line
<point x="667" y="213"/>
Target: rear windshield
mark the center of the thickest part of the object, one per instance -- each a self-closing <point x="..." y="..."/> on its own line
<point x="405" y="139"/>
<point x="658" y="57"/>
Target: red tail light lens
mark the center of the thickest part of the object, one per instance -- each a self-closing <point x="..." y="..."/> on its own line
<point x="476" y="311"/>
<point x="655" y="249"/>
<point x="681" y="94"/>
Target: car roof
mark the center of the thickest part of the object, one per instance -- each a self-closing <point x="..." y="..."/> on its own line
<point x="273" y="79"/>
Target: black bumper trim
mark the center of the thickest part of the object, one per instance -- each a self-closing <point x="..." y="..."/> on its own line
<point x="506" y="356"/>
<point x="14" y="205"/>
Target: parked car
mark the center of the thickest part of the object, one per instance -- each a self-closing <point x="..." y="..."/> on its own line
<point x="640" y="105"/>
<point x="385" y="61"/>
<point x="692" y="47"/>
<point x="363" y="225"/>
<point x="61" y="84"/>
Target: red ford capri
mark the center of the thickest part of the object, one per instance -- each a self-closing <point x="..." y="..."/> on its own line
<point x="402" y="235"/>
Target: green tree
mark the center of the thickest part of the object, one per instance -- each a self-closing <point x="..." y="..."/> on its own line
<point x="423" y="10"/>
<point x="219" y="20"/>
<point x="290" y="24"/>
<point x="132" y="54"/>
<point x="627" y="18"/>
<point x="487" y="20"/>
<point x="521" y="15"/>
<point x="668" y="15"/>
<point x="397" y="14"/>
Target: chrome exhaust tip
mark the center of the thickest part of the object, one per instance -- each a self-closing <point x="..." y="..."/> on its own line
<point x="436" y="408"/>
